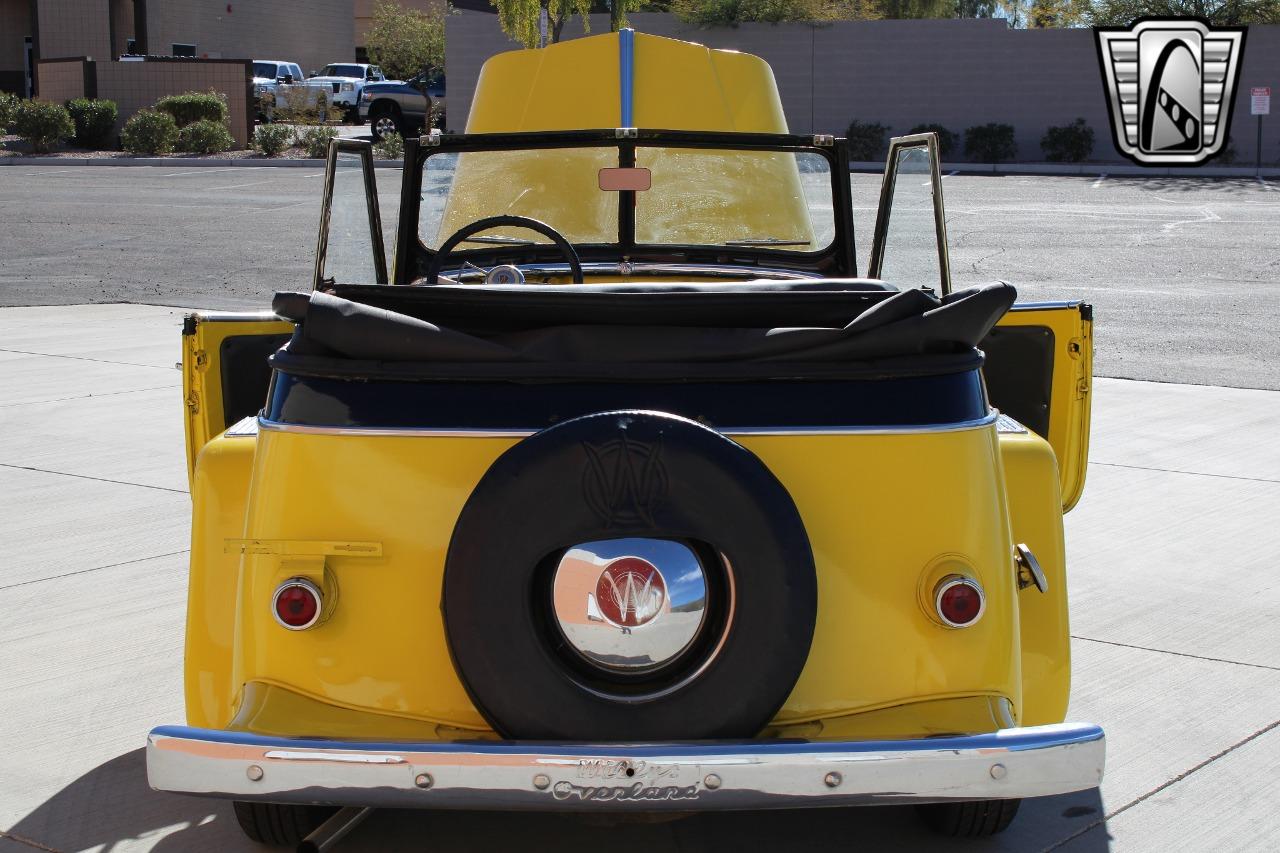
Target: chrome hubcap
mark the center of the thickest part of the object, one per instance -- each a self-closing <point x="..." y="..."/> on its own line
<point x="386" y="126"/>
<point x="630" y="605"/>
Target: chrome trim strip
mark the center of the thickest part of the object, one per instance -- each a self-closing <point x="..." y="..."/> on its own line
<point x="266" y="425"/>
<point x="708" y="776"/>
<point x="1051" y="303"/>
<point x="234" y="316"/>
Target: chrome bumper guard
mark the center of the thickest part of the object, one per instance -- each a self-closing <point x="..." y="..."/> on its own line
<point x="694" y="776"/>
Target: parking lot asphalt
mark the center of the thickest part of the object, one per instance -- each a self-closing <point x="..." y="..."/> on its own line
<point x="1173" y="594"/>
<point x="1184" y="273"/>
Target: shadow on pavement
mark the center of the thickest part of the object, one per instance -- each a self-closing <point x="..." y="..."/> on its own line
<point x="111" y="808"/>
<point x="1180" y="184"/>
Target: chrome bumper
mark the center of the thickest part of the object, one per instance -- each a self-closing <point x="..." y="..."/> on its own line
<point x="1026" y="762"/>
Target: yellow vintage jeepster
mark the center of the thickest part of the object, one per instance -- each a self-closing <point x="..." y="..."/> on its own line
<point x="619" y="490"/>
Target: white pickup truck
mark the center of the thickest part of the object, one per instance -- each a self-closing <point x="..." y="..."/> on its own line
<point x="274" y="79"/>
<point x="347" y="80"/>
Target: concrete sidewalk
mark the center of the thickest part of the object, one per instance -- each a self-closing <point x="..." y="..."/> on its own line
<point x="1174" y="604"/>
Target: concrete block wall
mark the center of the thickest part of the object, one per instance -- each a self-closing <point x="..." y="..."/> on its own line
<point x="61" y="79"/>
<point x="312" y="33"/>
<point x="15" y="26"/>
<point x="75" y="28"/>
<point x="957" y="73"/>
<point x="135" y="85"/>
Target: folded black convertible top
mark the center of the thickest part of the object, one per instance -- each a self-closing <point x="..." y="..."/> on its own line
<point x="910" y="324"/>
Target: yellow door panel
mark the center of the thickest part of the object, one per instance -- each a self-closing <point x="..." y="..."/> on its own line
<point x="1039" y="371"/>
<point x="224" y="371"/>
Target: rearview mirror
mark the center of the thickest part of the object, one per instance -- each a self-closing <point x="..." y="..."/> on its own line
<point x="635" y="179"/>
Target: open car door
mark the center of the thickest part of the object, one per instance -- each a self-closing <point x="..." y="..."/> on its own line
<point x="225" y="374"/>
<point x="1039" y="358"/>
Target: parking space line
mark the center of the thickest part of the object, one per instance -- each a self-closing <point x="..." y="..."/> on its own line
<point x="85" y="358"/>
<point x="238" y="186"/>
<point x="48" y="172"/>
<point x="187" y="174"/>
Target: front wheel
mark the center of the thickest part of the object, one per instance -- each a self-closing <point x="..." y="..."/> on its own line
<point x="383" y="121"/>
<point x="278" y="824"/>
<point x="970" y="818"/>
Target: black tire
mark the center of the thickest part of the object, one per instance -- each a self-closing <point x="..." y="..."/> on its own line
<point x="970" y="818"/>
<point x="278" y="824"/>
<point x="543" y="496"/>
<point x="383" y="115"/>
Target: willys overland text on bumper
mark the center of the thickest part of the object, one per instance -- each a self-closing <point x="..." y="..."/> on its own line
<point x="1022" y="762"/>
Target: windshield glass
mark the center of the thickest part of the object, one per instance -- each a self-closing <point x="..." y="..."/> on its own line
<point x="697" y="197"/>
<point x="264" y="69"/>
<point x="342" y="71"/>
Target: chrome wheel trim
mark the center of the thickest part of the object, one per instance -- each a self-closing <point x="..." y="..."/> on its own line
<point x="629" y="606"/>
<point x="385" y="125"/>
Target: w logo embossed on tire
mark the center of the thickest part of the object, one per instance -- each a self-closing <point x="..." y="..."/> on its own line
<point x="1170" y="82"/>
<point x="624" y="480"/>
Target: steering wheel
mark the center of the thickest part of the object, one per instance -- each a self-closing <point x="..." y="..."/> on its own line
<point x="460" y="236"/>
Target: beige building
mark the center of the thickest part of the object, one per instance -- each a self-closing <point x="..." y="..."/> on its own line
<point x="309" y="32"/>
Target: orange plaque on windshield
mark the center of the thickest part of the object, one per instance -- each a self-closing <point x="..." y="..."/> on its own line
<point x="636" y="179"/>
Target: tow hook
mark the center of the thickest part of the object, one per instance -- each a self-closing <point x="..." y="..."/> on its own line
<point x="1028" y="569"/>
<point x="334" y="829"/>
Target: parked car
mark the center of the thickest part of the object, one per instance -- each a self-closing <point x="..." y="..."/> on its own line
<point x="347" y="80"/>
<point x="402" y="107"/>
<point x="620" y="490"/>
<point x="274" y="79"/>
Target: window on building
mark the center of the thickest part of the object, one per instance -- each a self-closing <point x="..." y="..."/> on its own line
<point x="184" y="49"/>
<point x="131" y="47"/>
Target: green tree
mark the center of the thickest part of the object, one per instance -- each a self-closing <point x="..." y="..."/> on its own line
<point x="405" y="42"/>
<point x="520" y="18"/>
<point x="731" y="12"/>
<point x="1220" y="12"/>
<point x="1043" y="14"/>
<point x="917" y="8"/>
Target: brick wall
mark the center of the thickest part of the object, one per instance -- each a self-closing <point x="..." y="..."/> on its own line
<point x="121" y="26"/>
<point x="61" y="79"/>
<point x="15" y="25"/>
<point x="957" y="73"/>
<point x="74" y="28"/>
<point x="310" y="32"/>
<point x="135" y="85"/>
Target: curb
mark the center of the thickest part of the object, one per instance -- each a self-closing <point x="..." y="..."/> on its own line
<point x="1090" y="169"/>
<point x="221" y="162"/>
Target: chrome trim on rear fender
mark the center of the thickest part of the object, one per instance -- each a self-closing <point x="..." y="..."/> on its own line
<point x="1022" y="762"/>
<point x="268" y="425"/>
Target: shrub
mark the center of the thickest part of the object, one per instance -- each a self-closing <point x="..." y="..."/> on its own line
<point x="8" y="108"/>
<point x="390" y="147"/>
<point x="866" y="141"/>
<point x="43" y="124"/>
<point x="990" y="143"/>
<point x="94" y="121"/>
<point x="271" y="139"/>
<point x="315" y="141"/>
<point x="205" y="137"/>
<point x="302" y="106"/>
<point x="191" y="107"/>
<point x="946" y="139"/>
<point x="1068" y="143"/>
<point x="149" y="132"/>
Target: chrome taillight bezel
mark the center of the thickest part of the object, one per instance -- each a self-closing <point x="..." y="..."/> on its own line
<point x="301" y="583"/>
<point x="949" y="582"/>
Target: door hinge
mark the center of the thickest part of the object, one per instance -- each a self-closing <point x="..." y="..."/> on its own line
<point x="193" y="402"/>
<point x="1075" y="347"/>
<point x="199" y="359"/>
<point x="1082" y="388"/>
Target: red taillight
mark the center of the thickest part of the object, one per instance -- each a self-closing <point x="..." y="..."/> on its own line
<point x="296" y="604"/>
<point x="959" y="601"/>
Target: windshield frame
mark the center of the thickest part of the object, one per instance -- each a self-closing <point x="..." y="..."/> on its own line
<point x="836" y="260"/>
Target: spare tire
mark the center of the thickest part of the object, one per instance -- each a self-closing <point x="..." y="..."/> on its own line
<point x="708" y="645"/>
